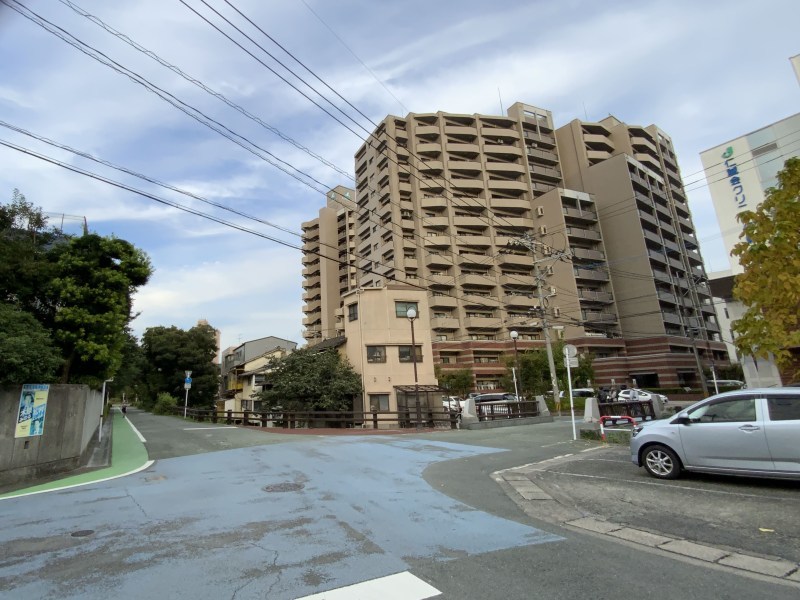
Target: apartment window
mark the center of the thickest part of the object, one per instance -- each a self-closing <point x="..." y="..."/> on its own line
<point x="401" y="308"/>
<point x="404" y="354"/>
<point x="378" y="402"/>
<point x="376" y="354"/>
<point x="352" y="312"/>
<point x="442" y="338"/>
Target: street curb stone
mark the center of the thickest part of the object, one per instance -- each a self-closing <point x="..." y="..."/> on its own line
<point x="775" y="568"/>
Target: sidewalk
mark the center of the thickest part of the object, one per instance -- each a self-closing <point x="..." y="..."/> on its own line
<point x="128" y="456"/>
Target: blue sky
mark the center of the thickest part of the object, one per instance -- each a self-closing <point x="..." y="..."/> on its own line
<point x="705" y="72"/>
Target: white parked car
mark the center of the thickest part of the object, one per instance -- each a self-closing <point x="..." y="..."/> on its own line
<point x="643" y="396"/>
<point x="452" y="403"/>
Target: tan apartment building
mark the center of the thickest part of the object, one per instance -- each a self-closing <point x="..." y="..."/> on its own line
<point x="378" y="344"/>
<point x="442" y="201"/>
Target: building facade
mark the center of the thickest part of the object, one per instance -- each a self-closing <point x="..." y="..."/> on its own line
<point x="503" y="233"/>
<point x="739" y="172"/>
<point x="242" y="370"/>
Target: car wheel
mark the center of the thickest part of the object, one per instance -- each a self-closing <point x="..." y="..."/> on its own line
<point x="661" y="462"/>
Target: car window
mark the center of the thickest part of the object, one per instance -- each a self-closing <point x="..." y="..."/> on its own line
<point x="784" y="408"/>
<point x="731" y="410"/>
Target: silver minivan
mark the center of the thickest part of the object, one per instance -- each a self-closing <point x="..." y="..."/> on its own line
<point x="744" y="432"/>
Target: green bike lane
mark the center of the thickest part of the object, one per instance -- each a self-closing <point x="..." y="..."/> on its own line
<point x="128" y="456"/>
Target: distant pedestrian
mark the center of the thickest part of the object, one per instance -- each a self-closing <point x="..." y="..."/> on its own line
<point x="603" y="395"/>
<point x="613" y="395"/>
<point x="124" y="411"/>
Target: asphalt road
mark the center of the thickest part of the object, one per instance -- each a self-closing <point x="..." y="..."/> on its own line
<point x="237" y="513"/>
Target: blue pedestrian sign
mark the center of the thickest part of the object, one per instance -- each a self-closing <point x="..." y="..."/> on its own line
<point x="188" y="381"/>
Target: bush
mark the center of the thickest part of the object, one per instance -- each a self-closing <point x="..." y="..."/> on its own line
<point x="165" y="404"/>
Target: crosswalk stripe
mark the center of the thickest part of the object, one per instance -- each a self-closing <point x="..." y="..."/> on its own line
<point x="400" y="586"/>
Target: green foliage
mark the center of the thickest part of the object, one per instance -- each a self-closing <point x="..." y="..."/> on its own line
<point x="308" y="381"/>
<point x="168" y="352"/>
<point x="457" y="383"/>
<point x="78" y="289"/>
<point x="534" y="377"/>
<point x="165" y="404"/>
<point x="770" y="284"/>
<point x="27" y="353"/>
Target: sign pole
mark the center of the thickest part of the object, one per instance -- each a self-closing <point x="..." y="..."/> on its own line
<point x="569" y="355"/>
<point x="187" y="384"/>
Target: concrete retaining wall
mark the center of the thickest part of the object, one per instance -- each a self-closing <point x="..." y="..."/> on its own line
<point x="71" y="421"/>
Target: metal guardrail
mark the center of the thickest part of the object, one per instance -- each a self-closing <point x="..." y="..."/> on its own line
<point x="639" y="410"/>
<point x="492" y="411"/>
<point x="325" y="419"/>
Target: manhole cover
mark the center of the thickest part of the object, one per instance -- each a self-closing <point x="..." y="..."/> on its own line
<point x="82" y="533"/>
<point x="284" y="487"/>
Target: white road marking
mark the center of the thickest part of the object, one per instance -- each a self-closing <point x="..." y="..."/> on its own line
<point x="67" y="487"/>
<point x="656" y="484"/>
<point x="400" y="586"/>
<point x="206" y="428"/>
<point x="136" y="431"/>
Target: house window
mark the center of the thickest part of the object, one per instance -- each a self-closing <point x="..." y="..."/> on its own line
<point x="352" y="312"/>
<point x="401" y="308"/>
<point x="404" y="353"/>
<point x="378" y="402"/>
<point x="376" y="354"/>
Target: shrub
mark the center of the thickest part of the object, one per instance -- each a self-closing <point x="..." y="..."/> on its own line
<point x="165" y="404"/>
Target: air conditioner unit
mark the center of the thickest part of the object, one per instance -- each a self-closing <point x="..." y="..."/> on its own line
<point x="540" y="211"/>
<point x="560" y="334"/>
<point x="549" y="270"/>
<point x="556" y="311"/>
<point x="543" y="230"/>
<point x="547" y="250"/>
<point x="552" y="290"/>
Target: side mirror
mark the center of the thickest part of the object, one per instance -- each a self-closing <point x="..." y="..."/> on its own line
<point x="682" y="419"/>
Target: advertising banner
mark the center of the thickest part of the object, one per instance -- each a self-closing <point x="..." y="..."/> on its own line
<point x="32" y="408"/>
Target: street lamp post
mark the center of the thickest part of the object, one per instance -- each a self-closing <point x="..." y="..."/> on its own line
<point x="514" y="335"/>
<point x="411" y="313"/>
<point x="103" y="408"/>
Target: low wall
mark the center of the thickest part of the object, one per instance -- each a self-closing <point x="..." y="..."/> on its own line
<point x="71" y="421"/>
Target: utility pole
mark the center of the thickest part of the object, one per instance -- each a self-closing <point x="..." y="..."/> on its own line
<point x="531" y="244"/>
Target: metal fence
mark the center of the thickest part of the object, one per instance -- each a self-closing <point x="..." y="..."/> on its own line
<point x="642" y="410"/>
<point x="492" y="411"/>
<point x="441" y="419"/>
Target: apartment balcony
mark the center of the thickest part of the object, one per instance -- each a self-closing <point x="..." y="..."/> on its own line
<point x="505" y="133"/>
<point x="428" y="148"/>
<point x="685" y="222"/>
<point x="517" y="280"/>
<point x="434" y="203"/>
<point x="672" y="246"/>
<point x="482" y="322"/>
<point x="443" y="301"/>
<point x="504" y="167"/>
<point x="405" y="186"/>
<point x="461" y="130"/>
<point x="470" y="260"/>
<point x="648" y="218"/>
<point x="664" y="210"/>
<point x="438" y="260"/>
<point x="436" y="222"/>
<point x="637" y="140"/>
<point x="410" y="263"/>
<point x="502" y="150"/>
<point x="596" y="156"/>
<point x="506" y="185"/>
<point x="427" y="184"/>
<point x="518" y="301"/>
<point x="672" y="318"/>
<point x="516" y="204"/>
<point x="659" y="256"/>
<point x="473" y="240"/>
<point x="541" y="138"/>
<point x="437" y="241"/>
<point x="456" y="147"/>
<point x="521" y="222"/>
<point x="473" y="166"/>
<point x="598" y="141"/>
<point x="310" y="320"/>
<point x="600" y="317"/>
<point x="648" y="160"/>
<point x="545" y="173"/>
<point x="430" y="166"/>
<point x="543" y="156"/>
<point x="595" y="296"/>
<point x="447" y="281"/>
<point x="487" y="281"/>
<point x="652" y="236"/>
<point x="445" y="324"/>
<point x="311" y="282"/>
<point x="662" y="276"/>
<point x="580" y="214"/>
<point x="583" y="234"/>
<point x="588" y="254"/>
<point x="463" y="221"/>
<point x="426" y="130"/>
<point x="591" y="274"/>
<point x="517" y="260"/>
<point x="469" y="184"/>
<point x="678" y="264"/>
<point x="694" y="256"/>
<point x="667" y="297"/>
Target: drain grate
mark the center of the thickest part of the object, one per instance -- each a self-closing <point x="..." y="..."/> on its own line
<point x="82" y="533"/>
<point x="284" y="487"/>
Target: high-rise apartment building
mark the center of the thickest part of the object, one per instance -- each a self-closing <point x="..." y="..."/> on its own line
<point x="504" y="233"/>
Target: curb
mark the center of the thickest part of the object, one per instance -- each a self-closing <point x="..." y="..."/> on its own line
<point x="519" y="484"/>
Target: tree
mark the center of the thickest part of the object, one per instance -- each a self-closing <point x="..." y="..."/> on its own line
<point x="311" y="381"/>
<point x="458" y="382"/>
<point x="27" y="353"/>
<point x="534" y="377"/>
<point x="169" y="352"/>
<point x="770" y="283"/>
<point x="93" y="291"/>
